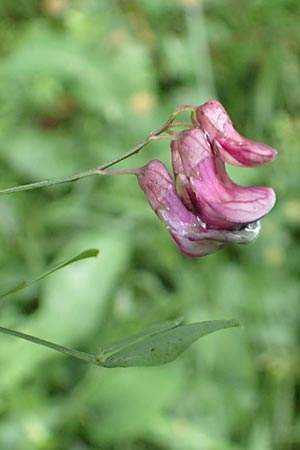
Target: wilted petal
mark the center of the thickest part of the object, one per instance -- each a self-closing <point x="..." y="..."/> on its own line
<point x="212" y="240"/>
<point x="201" y="247"/>
<point x="225" y="204"/>
<point x="230" y="145"/>
<point x="158" y="186"/>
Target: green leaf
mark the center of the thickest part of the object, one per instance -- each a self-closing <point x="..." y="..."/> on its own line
<point x="162" y="343"/>
<point x="72" y="295"/>
<point x="165" y="346"/>
<point x="90" y="253"/>
<point x="156" y="329"/>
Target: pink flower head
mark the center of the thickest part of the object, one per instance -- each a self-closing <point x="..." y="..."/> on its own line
<point x="186" y="227"/>
<point x="204" y="209"/>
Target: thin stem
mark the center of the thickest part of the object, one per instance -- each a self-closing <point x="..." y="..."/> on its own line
<point x="182" y="124"/>
<point x="47" y="183"/>
<point x="154" y="135"/>
<point x="59" y="348"/>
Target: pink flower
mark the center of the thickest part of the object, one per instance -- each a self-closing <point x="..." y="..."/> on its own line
<point x="204" y="209"/>
<point x="186" y="227"/>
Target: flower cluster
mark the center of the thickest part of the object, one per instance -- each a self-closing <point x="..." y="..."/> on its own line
<point x="203" y="208"/>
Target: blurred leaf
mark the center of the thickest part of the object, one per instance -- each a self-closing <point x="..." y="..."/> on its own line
<point x="73" y="305"/>
<point x="125" y="404"/>
<point x="90" y="253"/>
<point x="265" y="92"/>
<point x="165" y="346"/>
<point x="176" y="433"/>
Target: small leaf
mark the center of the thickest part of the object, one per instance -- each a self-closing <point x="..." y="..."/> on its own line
<point x="92" y="252"/>
<point x="165" y="346"/>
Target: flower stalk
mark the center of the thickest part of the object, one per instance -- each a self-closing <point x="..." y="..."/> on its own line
<point x="153" y="136"/>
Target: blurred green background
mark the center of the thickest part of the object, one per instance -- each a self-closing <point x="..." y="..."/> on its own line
<point x="80" y="83"/>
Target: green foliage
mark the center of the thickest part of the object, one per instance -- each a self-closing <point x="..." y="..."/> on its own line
<point x="158" y="345"/>
<point x="163" y="346"/>
<point x="92" y="252"/>
<point x="80" y="83"/>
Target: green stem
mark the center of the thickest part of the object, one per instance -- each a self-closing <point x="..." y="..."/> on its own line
<point x="47" y="183"/>
<point x="154" y="135"/>
<point x="59" y="348"/>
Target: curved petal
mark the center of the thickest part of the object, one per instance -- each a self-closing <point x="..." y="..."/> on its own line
<point x="231" y="146"/>
<point x="243" y="152"/>
<point x="225" y="204"/>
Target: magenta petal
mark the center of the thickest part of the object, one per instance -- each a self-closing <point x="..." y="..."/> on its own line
<point x="160" y="191"/>
<point x="244" y="152"/>
<point x="224" y="203"/>
<point x="230" y="145"/>
<point x="188" y="150"/>
<point x="181" y="181"/>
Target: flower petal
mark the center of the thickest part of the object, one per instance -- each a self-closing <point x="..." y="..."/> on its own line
<point x="230" y="145"/>
<point x="188" y="150"/>
<point x="244" y="152"/>
<point x="181" y="181"/>
<point x="158" y="185"/>
<point x="225" y="204"/>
